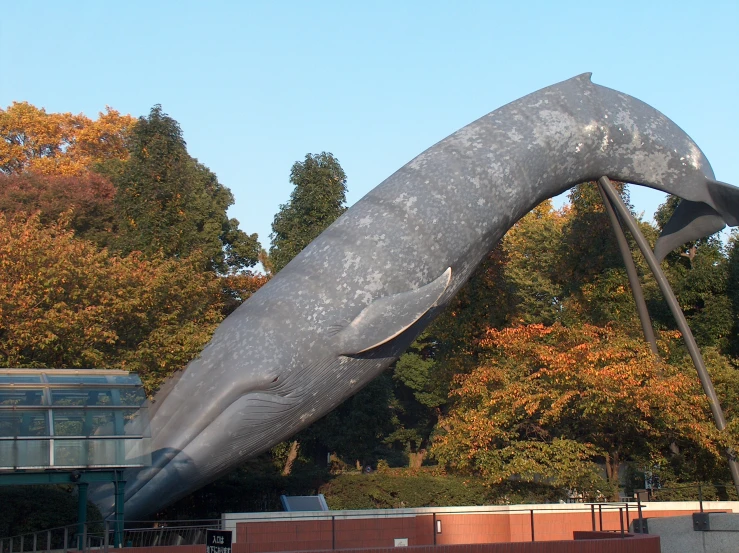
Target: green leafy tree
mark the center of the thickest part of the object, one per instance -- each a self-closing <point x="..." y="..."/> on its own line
<point x="532" y="249"/>
<point x="733" y="292"/>
<point x="699" y="273"/>
<point x="356" y="429"/>
<point x="317" y="201"/>
<point x="168" y="202"/>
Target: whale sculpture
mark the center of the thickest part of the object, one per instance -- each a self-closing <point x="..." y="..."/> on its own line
<point x="350" y="303"/>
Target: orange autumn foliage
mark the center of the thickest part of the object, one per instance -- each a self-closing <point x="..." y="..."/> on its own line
<point x="32" y="140"/>
<point x="66" y="303"/>
<point x="549" y="401"/>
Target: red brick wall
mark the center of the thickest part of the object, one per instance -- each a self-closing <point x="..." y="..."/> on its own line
<point x="636" y="544"/>
<point x="584" y="544"/>
<point x="380" y="531"/>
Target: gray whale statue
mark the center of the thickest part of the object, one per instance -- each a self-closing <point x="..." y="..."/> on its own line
<point x="350" y="303"/>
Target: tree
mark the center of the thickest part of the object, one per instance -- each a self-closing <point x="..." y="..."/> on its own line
<point x="317" y="201"/>
<point x="733" y="292"/>
<point x="88" y="196"/>
<point x="65" y="303"/>
<point x="699" y="274"/>
<point x="550" y="401"/>
<point x="358" y="427"/>
<point x="532" y="249"/>
<point x="32" y="140"/>
<point x="514" y="283"/>
<point x="169" y="203"/>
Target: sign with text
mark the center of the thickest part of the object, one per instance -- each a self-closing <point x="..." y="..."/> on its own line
<point x="217" y="541"/>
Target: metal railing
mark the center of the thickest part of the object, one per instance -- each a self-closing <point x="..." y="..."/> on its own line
<point x="99" y="535"/>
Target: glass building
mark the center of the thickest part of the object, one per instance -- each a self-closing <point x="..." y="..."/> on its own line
<point x="72" y="419"/>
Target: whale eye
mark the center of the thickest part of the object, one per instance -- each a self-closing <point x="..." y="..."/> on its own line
<point x="276" y="379"/>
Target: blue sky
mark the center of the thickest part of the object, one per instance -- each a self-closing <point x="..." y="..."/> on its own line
<point x="257" y="85"/>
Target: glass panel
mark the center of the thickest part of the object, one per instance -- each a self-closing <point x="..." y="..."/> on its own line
<point x="137" y="423"/>
<point x="80" y="396"/>
<point x="107" y="452"/>
<point x="68" y="423"/>
<point x="23" y="423"/>
<point x="129" y="379"/>
<point x="13" y="396"/>
<point x="133" y="397"/>
<point x="19" y="379"/>
<point x="84" y="422"/>
<point x="24" y="454"/>
<point x="101" y="452"/>
<point x="138" y="452"/>
<point x="76" y="379"/>
<point x="70" y="453"/>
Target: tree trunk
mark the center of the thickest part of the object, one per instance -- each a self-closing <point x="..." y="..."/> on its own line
<point x="415" y="460"/>
<point x="291" y="456"/>
<point x="613" y="464"/>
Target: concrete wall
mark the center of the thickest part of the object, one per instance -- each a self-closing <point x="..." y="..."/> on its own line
<point x="678" y="536"/>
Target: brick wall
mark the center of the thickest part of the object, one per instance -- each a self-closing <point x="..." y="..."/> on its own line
<point x="589" y="542"/>
<point x="376" y="529"/>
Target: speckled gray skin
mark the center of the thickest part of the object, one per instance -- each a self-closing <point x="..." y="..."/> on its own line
<point x="356" y="297"/>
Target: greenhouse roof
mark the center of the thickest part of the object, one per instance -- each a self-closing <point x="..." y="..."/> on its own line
<point x="68" y="419"/>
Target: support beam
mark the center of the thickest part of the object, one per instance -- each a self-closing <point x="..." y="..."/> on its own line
<point x="636" y="289"/>
<point x="677" y="313"/>
<point x="81" y="514"/>
<point x="120" y="491"/>
<point x="56" y="477"/>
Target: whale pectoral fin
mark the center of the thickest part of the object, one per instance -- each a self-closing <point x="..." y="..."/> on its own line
<point x="726" y="200"/>
<point x="386" y="318"/>
<point x="690" y="221"/>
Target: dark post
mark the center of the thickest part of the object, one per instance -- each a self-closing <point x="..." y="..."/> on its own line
<point x="700" y="496"/>
<point x="333" y="532"/>
<point x="638" y="506"/>
<point x="34" y="542"/>
<point x="600" y="516"/>
<point x="433" y="528"/>
<point x="81" y="513"/>
<point x="106" y="536"/>
<point x="120" y="489"/>
<point x="48" y="540"/>
<point x="532" y="525"/>
<point x="592" y="514"/>
<point x="621" y="519"/>
<point x="628" y="523"/>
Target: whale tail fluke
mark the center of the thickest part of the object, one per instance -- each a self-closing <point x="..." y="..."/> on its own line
<point x="694" y="220"/>
<point x="726" y="198"/>
<point x="690" y="221"/>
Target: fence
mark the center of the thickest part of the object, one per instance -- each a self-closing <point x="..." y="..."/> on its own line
<point x="279" y="531"/>
<point x="686" y="492"/>
<point x="99" y="535"/>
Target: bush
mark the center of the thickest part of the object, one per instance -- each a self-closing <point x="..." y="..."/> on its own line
<point x="27" y="509"/>
<point x="386" y="490"/>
